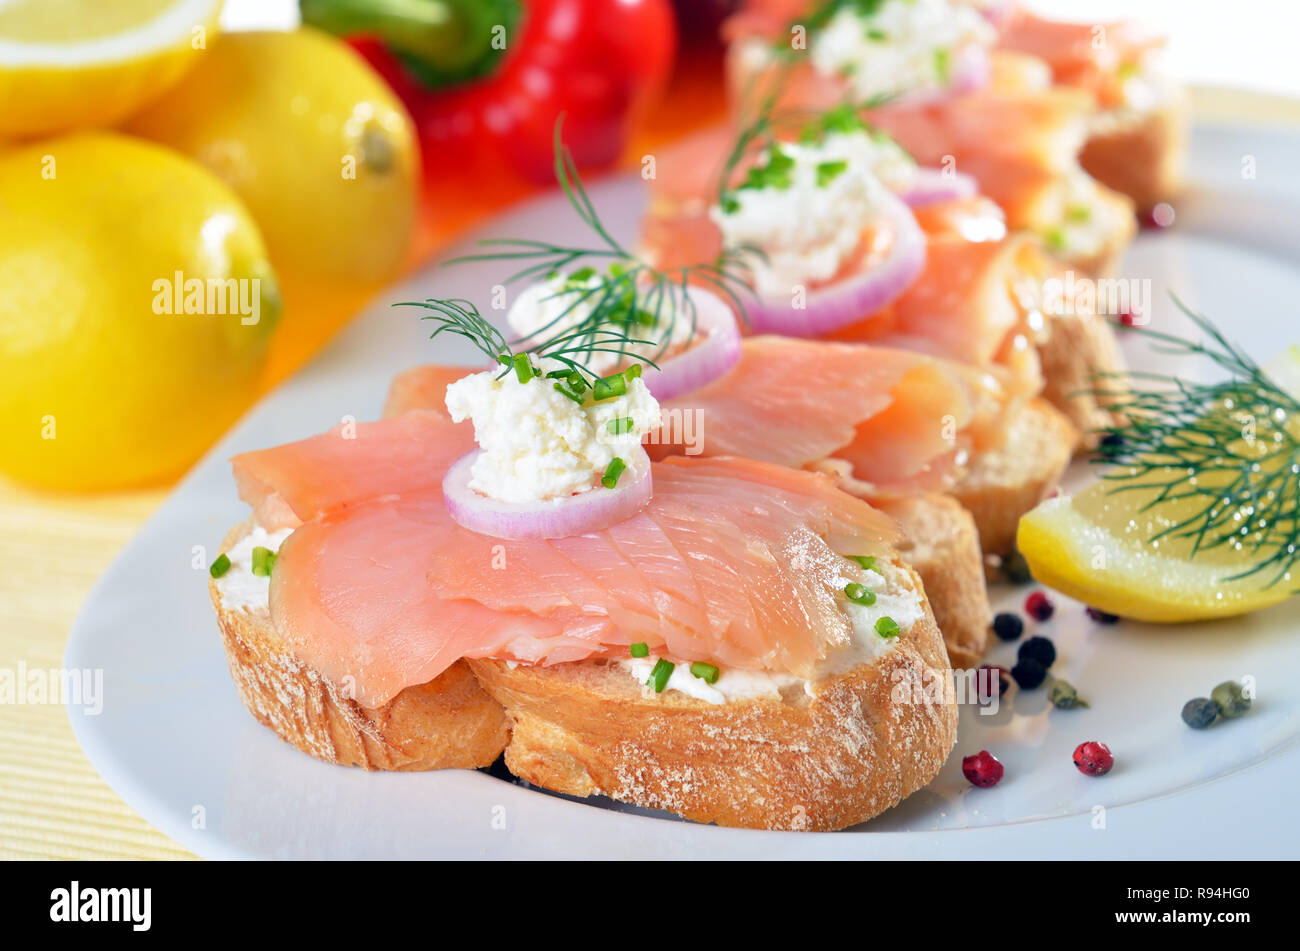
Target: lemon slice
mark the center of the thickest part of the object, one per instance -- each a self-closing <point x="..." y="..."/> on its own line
<point x="1104" y="545"/>
<point x="68" y="64"/>
<point x="1094" y="547"/>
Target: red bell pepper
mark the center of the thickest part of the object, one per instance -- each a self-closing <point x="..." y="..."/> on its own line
<point x="485" y="80"/>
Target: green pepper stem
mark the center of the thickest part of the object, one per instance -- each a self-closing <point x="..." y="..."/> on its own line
<point x="443" y="40"/>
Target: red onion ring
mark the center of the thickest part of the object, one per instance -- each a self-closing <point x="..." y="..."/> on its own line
<point x="588" y="511"/>
<point x="708" y="357"/>
<point x="930" y="186"/>
<point x="852" y="298"/>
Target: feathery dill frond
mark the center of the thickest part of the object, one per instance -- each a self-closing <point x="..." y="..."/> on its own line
<point x="460" y="317"/>
<point x="1227" y="453"/>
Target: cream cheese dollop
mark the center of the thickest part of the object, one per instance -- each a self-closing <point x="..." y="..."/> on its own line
<point x="538" y="444"/>
<point x="239" y="587"/>
<point x="808" y="223"/>
<point x="903" y="46"/>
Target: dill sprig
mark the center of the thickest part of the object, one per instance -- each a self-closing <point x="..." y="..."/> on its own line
<point x="462" y="318"/>
<point x="1229" y="451"/>
<point x="619" y="291"/>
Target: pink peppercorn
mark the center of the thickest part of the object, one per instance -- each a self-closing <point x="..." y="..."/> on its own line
<point x="982" y="769"/>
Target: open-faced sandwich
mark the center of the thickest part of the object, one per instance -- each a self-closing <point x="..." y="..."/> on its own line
<point x="1064" y="125"/>
<point x="728" y="639"/>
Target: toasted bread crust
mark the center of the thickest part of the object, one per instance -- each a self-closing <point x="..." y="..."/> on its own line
<point x="942" y="544"/>
<point x="1004" y="484"/>
<point x="1142" y="157"/>
<point x="869" y="738"/>
<point x="1074" y="349"/>
<point x="448" y="722"/>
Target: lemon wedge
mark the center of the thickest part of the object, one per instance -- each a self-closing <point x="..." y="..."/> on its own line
<point x="1094" y="547"/>
<point x="1115" y="545"/>
<point x="67" y="64"/>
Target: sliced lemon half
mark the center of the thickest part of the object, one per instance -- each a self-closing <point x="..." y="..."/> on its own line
<point x="67" y="64"/>
<point x="1111" y="545"/>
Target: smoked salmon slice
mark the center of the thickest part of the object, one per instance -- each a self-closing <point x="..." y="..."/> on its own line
<point x="903" y="419"/>
<point x="1087" y="56"/>
<point x="289" y="484"/>
<point x="388" y="590"/>
<point x="424" y="387"/>
<point x="963" y="305"/>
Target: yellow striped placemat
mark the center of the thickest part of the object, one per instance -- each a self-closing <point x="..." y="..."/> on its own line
<point x="52" y="802"/>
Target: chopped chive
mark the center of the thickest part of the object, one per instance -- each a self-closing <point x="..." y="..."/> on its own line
<point x="523" y="369"/>
<point x="564" y="391"/>
<point x="941" y="65"/>
<point x="887" y="627"/>
<point x="583" y="274"/>
<point x="1078" y="213"/>
<point x="706" y="672"/>
<point x="659" y="676"/>
<point x="617" y="427"/>
<point x="843" y="118"/>
<point x="220" y="566"/>
<point x="608" y="387"/>
<point x="776" y="173"/>
<point x="560" y="375"/>
<point x="612" y="472"/>
<point x="505" y="359"/>
<point x="878" y="35"/>
<point x="639" y="649"/>
<point x="263" y="561"/>
<point x="730" y="204"/>
<point x="632" y="373"/>
<point x="868" y="562"/>
<point x="827" y="172"/>
<point x="1055" y="238"/>
<point x="859" y="593"/>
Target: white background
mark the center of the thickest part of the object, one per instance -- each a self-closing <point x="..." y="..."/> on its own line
<point x="1243" y="43"/>
<point x="1248" y="44"/>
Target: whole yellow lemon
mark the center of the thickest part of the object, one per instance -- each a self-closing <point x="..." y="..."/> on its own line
<point x="136" y="305"/>
<point x="321" y="151"/>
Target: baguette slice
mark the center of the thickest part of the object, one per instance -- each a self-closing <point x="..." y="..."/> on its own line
<point x="1074" y="350"/>
<point x="1140" y="154"/>
<point x="943" y="545"/>
<point x="1004" y="484"/>
<point x="867" y="739"/>
<point x="448" y="722"/>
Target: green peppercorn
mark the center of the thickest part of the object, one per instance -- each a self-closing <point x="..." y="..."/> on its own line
<point x="1200" y="713"/>
<point x="1230" y="699"/>
<point x="1064" y="696"/>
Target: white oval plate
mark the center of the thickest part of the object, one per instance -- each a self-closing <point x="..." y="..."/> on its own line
<point x="176" y="744"/>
